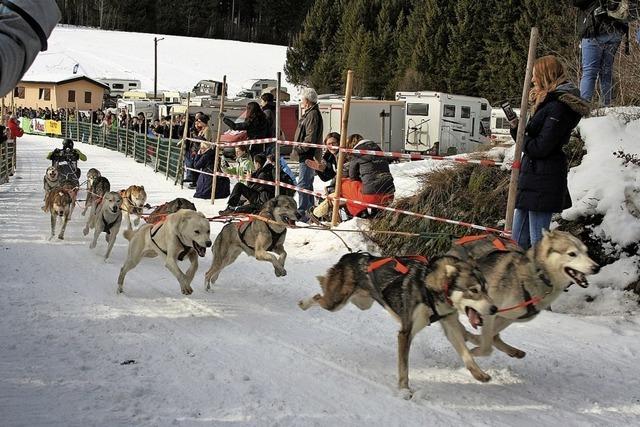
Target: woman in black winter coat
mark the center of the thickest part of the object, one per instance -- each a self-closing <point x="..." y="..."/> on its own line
<point x="204" y="161"/>
<point x="256" y="125"/>
<point x="542" y="184"/>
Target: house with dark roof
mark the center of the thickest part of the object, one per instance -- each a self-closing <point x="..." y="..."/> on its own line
<point x="57" y="92"/>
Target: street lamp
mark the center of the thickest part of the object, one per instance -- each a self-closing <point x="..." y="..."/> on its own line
<point x="155" y="66"/>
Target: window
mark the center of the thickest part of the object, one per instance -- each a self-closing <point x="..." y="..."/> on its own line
<point x="87" y="97"/>
<point x="18" y="92"/>
<point x="465" y="112"/>
<point x="483" y="107"/>
<point x="502" y="123"/>
<point x="418" y="109"/>
<point x="117" y="86"/>
<point x="44" y="94"/>
<point x="72" y="96"/>
<point x="449" y="111"/>
<point x="133" y="84"/>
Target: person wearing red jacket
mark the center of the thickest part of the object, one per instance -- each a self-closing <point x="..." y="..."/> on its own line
<point x="14" y="128"/>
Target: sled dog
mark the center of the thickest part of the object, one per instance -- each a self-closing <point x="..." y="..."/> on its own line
<point x="165" y="209"/>
<point x="256" y="238"/>
<point x="182" y="234"/>
<point x="134" y="199"/>
<point x="92" y="174"/>
<point x="523" y="283"/>
<point x="416" y="293"/>
<point x="51" y="180"/>
<point x="100" y="187"/>
<point x="58" y="203"/>
<point x="107" y="219"/>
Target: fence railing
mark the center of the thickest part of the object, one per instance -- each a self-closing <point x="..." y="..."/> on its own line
<point x="7" y="160"/>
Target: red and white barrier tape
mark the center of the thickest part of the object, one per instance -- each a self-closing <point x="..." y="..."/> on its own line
<point x="370" y="205"/>
<point x="421" y="157"/>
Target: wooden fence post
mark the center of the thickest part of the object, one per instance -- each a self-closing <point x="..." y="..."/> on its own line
<point x="185" y="135"/>
<point x="277" y="146"/>
<point x="216" y="161"/>
<point x="524" y="106"/>
<point x="155" y="168"/>
<point x="343" y="143"/>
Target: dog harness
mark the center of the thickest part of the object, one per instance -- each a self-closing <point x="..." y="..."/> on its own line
<point x="275" y="237"/>
<point x="182" y="254"/>
<point x="107" y="226"/>
<point x="401" y="268"/>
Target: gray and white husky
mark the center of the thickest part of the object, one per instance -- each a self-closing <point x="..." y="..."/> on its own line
<point x="523" y="283"/>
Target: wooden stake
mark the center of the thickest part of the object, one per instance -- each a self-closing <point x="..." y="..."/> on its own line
<point x="524" y="107"/>
<point x="77" y="122"/>
<point x="155" y="168"/>
<point x="343" y="143"/>
<point x="185" y="135"/>
<point x="277" y="151"/>
<point x="126" y="135"/>
<point x="216" y="161"/>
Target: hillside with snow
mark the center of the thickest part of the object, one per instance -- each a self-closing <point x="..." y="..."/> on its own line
<point x="182" y="61"/>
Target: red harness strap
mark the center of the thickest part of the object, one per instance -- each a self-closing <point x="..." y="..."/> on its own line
<point x="399" y="267"/>
<point x="531" y="301"/>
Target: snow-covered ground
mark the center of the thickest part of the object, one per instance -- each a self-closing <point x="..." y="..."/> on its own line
<point x="245" y="354"/>
<point x="182" y="61"/>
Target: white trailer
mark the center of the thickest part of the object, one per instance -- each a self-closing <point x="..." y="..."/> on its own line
<point x="253" y="88"/>
<point x="380" y="121"/>
<point x="500" y="127"/>
<point x="117" y="87"/>
<point x="134" y="107"/>
<point x="444" y="124"/>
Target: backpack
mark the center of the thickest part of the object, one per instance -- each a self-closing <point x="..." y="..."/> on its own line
<point x="621" y="10"/>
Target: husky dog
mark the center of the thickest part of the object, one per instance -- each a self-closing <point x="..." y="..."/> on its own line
<point x="256" y="238"/>
<point x="182" y="234"/>
<point x="165" y="209"/>
<point x="107" y="219"/>
<point x="524" y="283"/>
<point x="134" y="199"/>
<point x="100" y="187"/>
<point x="51" y="180"/>
<point x="92" y="174"/>
<point x="58" y="203"/>
<point x="416" y="293"/>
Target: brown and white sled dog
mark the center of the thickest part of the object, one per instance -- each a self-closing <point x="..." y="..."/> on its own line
<point x="182" y="234"/>
<point x="51" y="180"/>
<point x="134" y="199"/>
<point x="99" y="188"/>
<point x="107" y="219"/>
<point x="524" y="283"/>
<point x="256" y="238"/>
<point x="415" y="293"/>
<point x="58" y="203"/>
<point x="92" y="174"/>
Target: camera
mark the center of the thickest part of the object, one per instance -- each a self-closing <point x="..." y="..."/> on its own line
<point x="508" y="111"/>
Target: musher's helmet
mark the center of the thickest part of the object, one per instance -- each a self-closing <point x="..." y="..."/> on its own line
<point x="67" y="144"/>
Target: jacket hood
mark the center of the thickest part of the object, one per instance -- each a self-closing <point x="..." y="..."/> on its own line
<point x="569" y="94"/>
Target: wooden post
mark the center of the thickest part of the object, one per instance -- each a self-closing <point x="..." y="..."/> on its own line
<point x="277" y="151"/>
<point x="216" y="161"/>
<point x="126" y="136"/>
<point x="77" y="122"/>
<point x="90" y="131"/>
<point x="67" y="123"/>
<point x="524" y="106"/>
<point x="169" y="145"/>
<point x="135" y="145"/>
<point x="144" y="149"/>
<point x="343" y="143"/>
<point x="155" y="168"/>
<point x="185" y="135"/>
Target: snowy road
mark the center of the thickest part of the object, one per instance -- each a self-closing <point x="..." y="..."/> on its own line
<point x="245" y="354"/>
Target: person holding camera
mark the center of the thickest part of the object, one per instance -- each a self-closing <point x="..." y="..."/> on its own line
<point x="601" y="36"/>
<point x="542" y="184"/>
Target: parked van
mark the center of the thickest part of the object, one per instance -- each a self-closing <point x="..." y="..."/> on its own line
<point x="209" y="87"/>
<point x="445" y="124"/>
<point x="253" y="88"/>
<point x="117" y="87"/>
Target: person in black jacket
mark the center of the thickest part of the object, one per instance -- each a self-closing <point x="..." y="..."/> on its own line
<point x="601" y="36"/>
<point x="268" y="104"/>
<point x="254" y="193"/>
<point x="203" y="160"/>
<point x="256" y="125"/>
<point x="326" y="168"/>
<point x="542" y="184"/>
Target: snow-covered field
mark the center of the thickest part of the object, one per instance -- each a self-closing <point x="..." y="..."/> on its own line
<point x="182" y="61"/>
<point x="73" y="353"/>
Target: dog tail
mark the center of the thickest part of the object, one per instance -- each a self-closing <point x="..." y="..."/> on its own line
<point x="128" y="234"/>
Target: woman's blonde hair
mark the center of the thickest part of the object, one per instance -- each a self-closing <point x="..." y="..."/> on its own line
<point x="549" y="73"/>
<point x="353" y="140"/>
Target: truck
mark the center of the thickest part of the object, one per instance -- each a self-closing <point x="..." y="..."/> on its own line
<point x="209" y="88"/>
<point x="444" y="124"/>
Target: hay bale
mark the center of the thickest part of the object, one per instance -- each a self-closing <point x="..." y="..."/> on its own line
<point x="465" y="192"/>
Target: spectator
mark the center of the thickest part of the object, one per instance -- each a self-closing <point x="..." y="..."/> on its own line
<point x="369" y="181"/>
<point x="244" y="164"/>
<point x="309" y="130"/>
<point x="204" y="133"/>
<point x="15" y="131"/>
<point x="326" y="168"/>
<point x="255" y="123"/>
<point x="24" y="29"/>
<point x="286" y="174"/>
<point x="255" y="194"/>
<point x="204" y="162"/>
<point x="268" y="105"/>
<point x="601" y="36"/>
<point x="542" y="185"/>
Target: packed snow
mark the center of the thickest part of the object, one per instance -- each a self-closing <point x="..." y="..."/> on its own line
<point x="75" y="353"/>
<point x="182" y="61"/>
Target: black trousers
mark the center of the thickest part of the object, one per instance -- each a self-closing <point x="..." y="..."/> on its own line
<point x="242" y="190"/>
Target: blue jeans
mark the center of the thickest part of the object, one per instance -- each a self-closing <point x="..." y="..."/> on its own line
<point x="528" y="226"/>
<point x="598" y="54"/>
<point x="305" y="180"/>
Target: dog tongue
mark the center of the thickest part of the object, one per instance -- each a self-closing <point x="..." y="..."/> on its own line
<point x="474" y="318"/>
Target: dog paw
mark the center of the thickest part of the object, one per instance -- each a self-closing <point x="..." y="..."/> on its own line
<point x="405" y="393"/>
<point x="85" y="231"/>
<point x="281" y="272"/>
<point x="60" y="237"/>
<point x="303" y="304"/>
<point x="119" y="291"/>
<point x="481" y="376"/>
<point x="187" y="290"/>
<point x="92" y="245"/>
<point x="518" y="354"/>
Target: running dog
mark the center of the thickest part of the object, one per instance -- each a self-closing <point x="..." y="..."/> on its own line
<point x="134" y="199"/>
<point x="58" y="203"/>
<point x="523" y="283"/>
<point x="256" y="238"/>
<point x="92" y="174"/>
<point x="107" y="219"/>
<point x="182" y="234"/>
<point x="165" y="209"/>
<point x="100" y="187"/>
<point x="416" y="293"/>
<point x="51" y="181"/>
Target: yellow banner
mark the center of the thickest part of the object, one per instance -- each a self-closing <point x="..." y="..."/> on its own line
<point x="53" y="127"/>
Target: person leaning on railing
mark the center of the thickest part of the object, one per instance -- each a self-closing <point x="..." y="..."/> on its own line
<point x="255" y="123"/>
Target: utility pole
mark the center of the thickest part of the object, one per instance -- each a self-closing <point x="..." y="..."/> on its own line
<point x="101" y="12"/>
<point x="155" y="66"/>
